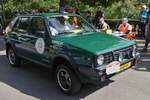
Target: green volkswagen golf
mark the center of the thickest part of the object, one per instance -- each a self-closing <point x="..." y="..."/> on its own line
<point x="69" y="46"/>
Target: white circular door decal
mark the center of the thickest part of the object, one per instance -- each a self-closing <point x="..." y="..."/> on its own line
<point x="40" y="45"/>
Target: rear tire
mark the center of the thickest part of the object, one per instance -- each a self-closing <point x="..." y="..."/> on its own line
<point x="13" y="59"/>
<point x="67" y="80"/>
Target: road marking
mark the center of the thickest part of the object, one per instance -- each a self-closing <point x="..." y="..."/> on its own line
<point x="2" y="52"/>
<point x="145" y="59"/>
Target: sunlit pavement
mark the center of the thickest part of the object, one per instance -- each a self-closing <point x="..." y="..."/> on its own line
<point x="33" y="82"/>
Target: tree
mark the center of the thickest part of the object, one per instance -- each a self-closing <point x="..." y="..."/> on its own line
<point x="18" y="6"/>
<point x="122" y="9"/>
<point x="104" y="3"/>
<point x="111" y="8"/>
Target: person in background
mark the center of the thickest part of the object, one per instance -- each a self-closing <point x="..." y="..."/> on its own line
<point x="148" y="30"/>
<point x="70" y="9"/>
<point x="62" y="5"/>
<point x="77" y="11"/>
<point x="34" y="11"/>
<point x="99" y="14"/>
<point x="142" y="19"/>
<point x="126" y="28"/>
<point x="102" y="25"/>
<point x="88" y="17"/>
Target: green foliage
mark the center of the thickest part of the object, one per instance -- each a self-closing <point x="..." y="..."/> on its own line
<point x="111" y="8"/>
<point x="34" y="5"/>
<point x="142" y="1"/>
<point x="16" y="6"/>
<point x="104" y="3"/>
<point x="11" y="7"/>
<point x="122" y="9"/>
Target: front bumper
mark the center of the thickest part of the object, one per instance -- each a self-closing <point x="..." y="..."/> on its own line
<point x="98" y="75"/>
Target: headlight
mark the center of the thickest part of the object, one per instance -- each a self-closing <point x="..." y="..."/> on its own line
<point x="120" y="57"/>
<point x="100" y="60"/>
<point x="134" y="51"/>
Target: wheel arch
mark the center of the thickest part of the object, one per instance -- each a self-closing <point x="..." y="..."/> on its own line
<point x="63" y="59"/>
<point x="7" y="46"/>
<point x="60" y="59"/>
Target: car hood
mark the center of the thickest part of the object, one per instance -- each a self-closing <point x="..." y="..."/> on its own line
<point x="95" y="42"/>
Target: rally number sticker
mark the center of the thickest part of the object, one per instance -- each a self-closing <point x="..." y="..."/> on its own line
<point x="40" y="45"/>
<point x="112" y="67"/>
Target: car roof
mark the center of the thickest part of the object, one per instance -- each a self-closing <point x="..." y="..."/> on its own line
<point x="49" y="14"/>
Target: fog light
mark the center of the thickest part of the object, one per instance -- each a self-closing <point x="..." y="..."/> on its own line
<point x="120" y="57"/>
<point x="134" y="51"/>
<point x="100" y="60"/>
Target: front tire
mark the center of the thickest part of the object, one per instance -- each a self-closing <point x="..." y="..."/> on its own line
<point x="67" y="80"/>
<point x="13" y="59"/>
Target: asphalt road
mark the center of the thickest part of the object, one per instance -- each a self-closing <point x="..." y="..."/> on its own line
<point x="33" y="82"/>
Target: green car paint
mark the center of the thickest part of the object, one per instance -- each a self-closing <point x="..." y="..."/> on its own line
<point x="80" y="50"/>
<point x="95" y="42"/>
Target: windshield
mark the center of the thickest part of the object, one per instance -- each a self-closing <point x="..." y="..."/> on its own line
<point x="68" y="25"/>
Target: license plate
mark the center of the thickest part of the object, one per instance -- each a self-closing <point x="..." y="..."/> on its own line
<point x="125" y="66"/>
<point x="113" y="67"/>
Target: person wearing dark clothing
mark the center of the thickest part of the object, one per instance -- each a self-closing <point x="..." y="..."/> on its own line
<point x="148" y="31"/>
<point x="147" y="38"/>
<point x="99" y="14"/>
<point x="148" y="15"/>
<point x="62" y="5"/>
<point x="77" y="11"/>
<point x="142" y="19"/>
<point x="102" y="25"/>
<point x="88" y="17"/>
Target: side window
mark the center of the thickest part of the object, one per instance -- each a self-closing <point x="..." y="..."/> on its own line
<point x="11" y="26"/>
<point x="37" y="26"/>
<point x="22" y="24"/>
<point x="14" y="24"/>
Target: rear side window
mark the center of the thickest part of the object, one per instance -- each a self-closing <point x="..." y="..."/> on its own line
<point x="37" y="26"/>
<point x="23" y="24"/>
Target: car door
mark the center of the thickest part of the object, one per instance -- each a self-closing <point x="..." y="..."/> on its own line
<point x="19" y="36"/>
<point x="38" y="44"/>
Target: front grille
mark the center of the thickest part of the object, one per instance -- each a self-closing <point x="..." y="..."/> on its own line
<point x="126" y="53"/>
<point x="108" y="58"/>
<point x="114" y="56"/>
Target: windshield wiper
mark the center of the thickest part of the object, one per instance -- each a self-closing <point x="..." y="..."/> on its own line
<point x="84" y="31"/>
<point x="61" y="33"/>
